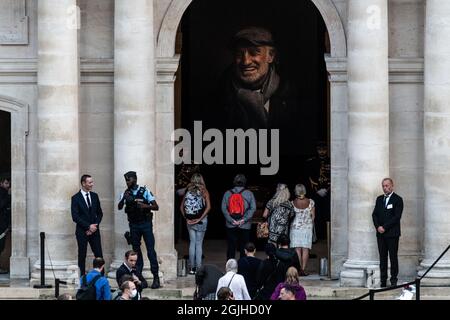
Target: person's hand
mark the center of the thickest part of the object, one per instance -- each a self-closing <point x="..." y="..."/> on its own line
<point x="193" y="221"/>
<point x="93" y="228"/>
<point x="380" y="229"/>
<point x="88" y="233"/>
<point x="136" y="279"/>
<point x="322" y="192"/>
<point x="236" y="223"/>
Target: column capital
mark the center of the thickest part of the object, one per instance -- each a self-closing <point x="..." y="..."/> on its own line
<point x="166" y="69"/>
<point x="337" y="69"/>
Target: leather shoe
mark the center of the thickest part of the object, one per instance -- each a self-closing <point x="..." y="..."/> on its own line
<point x="383" y="285"/>
<point x="393" y="283"/>
<point x="155" y="284"/>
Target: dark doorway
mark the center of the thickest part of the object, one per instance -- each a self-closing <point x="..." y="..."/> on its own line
<point x="5" y="173"/>
<point x="301" y="39"/>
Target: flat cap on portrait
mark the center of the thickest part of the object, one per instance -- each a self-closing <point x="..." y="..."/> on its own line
<point x="256" y="36"/>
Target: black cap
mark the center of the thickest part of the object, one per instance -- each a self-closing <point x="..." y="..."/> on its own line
<point x="130" y="174"/>
<point x="256" y="36"/>
<point x="321" y="144"/>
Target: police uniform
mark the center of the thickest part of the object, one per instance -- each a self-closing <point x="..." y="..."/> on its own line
<point x="141" y="225"/>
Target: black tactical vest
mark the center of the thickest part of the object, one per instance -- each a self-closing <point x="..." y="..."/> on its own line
<point x="136" y="215"/>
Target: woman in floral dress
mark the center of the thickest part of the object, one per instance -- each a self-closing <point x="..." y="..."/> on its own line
<point x="302" y="226"/>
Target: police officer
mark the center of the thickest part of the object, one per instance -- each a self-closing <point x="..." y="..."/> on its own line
<point x="139" y="203"/>
<point x="319" y="183"/>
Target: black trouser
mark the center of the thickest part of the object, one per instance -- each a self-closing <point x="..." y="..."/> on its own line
<point x="2" y="243"/>
<point x="322" y="206"/>
<point x="237" y="239"/>
<point x="144" y="230"/>
<point x="96" y="247"/>
<point x="388" y="246"/>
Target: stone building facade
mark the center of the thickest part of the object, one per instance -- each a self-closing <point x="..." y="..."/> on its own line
<point x="80" y="90"/>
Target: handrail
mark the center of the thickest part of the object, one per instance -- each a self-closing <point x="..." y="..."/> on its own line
<point x="372" y="292"/>
<point x="428" y="270"/>
<point x="417" y="281"/>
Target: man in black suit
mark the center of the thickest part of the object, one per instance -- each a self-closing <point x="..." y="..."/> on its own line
<point x="129" y="268"/>
<point x="87" y="214"/>
<point x="386" y="218"/>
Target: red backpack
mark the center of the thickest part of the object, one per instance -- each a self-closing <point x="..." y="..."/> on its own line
<point x="236" y="205"/>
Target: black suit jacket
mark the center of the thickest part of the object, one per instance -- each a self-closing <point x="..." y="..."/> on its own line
<point x="122" y="270"/>
<point x="80" y="212"/>
<point x="389" y="219"/>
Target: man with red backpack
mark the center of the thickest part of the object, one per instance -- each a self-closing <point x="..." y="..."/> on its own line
<point x="238" y="207"/>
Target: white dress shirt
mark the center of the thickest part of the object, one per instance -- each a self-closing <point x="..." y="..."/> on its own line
<point x="386" y="199"/>
<point x="237" y="286"/>
<point x="84" y="193"/>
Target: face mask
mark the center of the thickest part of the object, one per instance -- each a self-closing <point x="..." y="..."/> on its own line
<point x="133" y="293"/>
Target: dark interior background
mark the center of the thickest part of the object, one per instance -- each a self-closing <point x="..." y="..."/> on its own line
<point x="5" y="171"/>
<point x="5" y="144"/>
<point x="300" y="35"/>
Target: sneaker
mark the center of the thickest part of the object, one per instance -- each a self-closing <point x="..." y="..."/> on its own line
<point x="192" y="271"/>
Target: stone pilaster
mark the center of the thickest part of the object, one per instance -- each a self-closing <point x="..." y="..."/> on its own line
<point x="165" y="171"/>
<point x="337" y="70"/>
<point x="134" y="112"/>
<point x="58" y="142"/>
<point x="368" y="131"/>
<point x="437" y="140"/>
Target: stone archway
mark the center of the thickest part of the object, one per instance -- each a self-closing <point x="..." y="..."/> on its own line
<point x="165" y="46"/>
<point x="166" y="66"/>
<point x="19" y="131"/>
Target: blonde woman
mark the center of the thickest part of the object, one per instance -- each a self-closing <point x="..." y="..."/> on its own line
<point x="279" y="212"/>
<point x="195" y="208"/>
<point x="302" y="226"/>
<point x="293" y="281"/>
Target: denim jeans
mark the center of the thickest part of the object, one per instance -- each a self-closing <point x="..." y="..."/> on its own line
<point x="137" y="231"/>
<point x="195" y="247"/>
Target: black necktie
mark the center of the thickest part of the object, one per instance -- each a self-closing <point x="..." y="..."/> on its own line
<point x="88" y="201"/>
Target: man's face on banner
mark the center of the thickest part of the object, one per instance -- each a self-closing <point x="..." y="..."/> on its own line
<point x="252" y="63"/>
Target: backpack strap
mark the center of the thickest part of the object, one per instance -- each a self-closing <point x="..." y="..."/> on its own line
<point x="240" y="192"/>
<point x="231" y="280"/>
<point x="84" y="280"/>
<point x="94" y="280"/>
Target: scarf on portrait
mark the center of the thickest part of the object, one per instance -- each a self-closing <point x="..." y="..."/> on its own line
<point x="254" y="100"/>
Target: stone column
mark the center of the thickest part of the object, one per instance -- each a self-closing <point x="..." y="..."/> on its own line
<point x="437" y="140"/>
<point x="165" y="170"/>
<point x="58" y="144"/>
<point x="368" y="136"/>
<point x="134" y="109"/>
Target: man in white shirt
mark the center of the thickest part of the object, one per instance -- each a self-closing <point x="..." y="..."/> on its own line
<point x="234" y="281"/>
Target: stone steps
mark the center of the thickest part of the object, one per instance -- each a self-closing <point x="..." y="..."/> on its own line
<point x="172" y="293"/>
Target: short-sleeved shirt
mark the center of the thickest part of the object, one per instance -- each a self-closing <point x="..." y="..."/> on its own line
<point x="148" y="196"/>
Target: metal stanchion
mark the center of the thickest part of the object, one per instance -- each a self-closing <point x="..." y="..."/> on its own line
<point x="42" y="285"/>
<point x="328" y="277"/>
